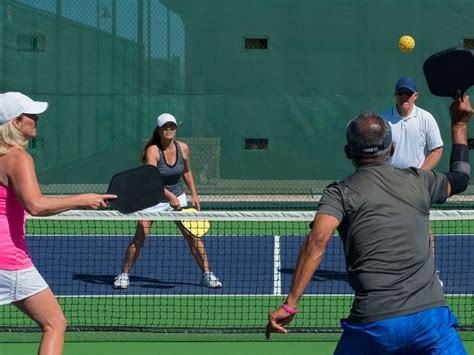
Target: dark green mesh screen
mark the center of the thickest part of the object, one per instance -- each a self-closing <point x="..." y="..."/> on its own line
<point x="262" y="89"/>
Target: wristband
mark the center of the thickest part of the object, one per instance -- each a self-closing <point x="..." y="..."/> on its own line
<point x="459" y="160"/>
<point x="288" y="309"/>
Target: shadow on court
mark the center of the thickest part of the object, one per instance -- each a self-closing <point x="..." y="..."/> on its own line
<point x="322" y="275"/>
<point x="135" y="281"/>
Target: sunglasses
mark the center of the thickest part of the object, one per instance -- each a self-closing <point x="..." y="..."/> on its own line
<point x="33" y="116"/>
<point x="170" y="126"/>
<point x="404" y="93"/>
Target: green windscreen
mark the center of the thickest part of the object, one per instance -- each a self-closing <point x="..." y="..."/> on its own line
<point x="262" y="90"/>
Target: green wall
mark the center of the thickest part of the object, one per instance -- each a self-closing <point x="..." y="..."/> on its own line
<point x="326" y="62"/>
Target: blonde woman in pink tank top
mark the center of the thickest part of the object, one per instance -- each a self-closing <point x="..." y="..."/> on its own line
<point x="20" y="193"/>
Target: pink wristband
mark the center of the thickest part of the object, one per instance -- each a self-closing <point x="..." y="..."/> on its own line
<point x="289" y="310"/>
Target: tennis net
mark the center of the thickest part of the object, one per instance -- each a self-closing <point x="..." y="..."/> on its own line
<point x="253" y="253"/>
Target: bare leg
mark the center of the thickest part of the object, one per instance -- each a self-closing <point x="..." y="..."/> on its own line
<point x="196" y="245"/>
<point x="44" y="309"/>
<point x="135" y="246"/>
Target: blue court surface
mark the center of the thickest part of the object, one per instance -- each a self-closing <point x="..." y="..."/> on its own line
<point x="87" y="265"/>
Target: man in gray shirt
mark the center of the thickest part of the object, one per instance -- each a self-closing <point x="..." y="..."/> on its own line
<point x="382" y="215"/>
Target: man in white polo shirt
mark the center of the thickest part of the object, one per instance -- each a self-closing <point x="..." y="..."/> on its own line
<point x="415" y="132"/>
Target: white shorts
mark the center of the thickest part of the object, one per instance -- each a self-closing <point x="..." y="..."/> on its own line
<point x="16" y="285"/>
<point x="165" y="206"/>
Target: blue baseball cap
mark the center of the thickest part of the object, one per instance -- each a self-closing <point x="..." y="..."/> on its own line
<point x="406" y="83"/>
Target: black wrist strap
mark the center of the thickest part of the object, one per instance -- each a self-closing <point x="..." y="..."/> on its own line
<point x="459" y="161"/>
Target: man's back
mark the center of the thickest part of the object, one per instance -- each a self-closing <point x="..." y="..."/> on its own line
<point x="384" y="213"/>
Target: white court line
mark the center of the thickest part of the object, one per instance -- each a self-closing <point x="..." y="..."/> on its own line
<point x="93" y="234"/>
<point x="233" y="295"/>
<point x="193" y="296"/>
<point x="276" y="266"/>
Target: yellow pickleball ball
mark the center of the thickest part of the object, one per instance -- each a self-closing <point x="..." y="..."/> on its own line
<point x="406" y="43"/>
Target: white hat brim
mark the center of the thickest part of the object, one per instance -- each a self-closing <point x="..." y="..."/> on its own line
<point x="37" y="107"/>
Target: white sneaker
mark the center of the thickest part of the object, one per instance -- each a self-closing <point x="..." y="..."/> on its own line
<point x="210" y="280"/>
<point x="121" y="281"/>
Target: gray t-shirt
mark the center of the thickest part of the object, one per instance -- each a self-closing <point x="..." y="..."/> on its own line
<point x="384" y="215"/>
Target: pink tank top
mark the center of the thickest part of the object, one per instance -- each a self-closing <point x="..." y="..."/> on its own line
<point x="13" y="250"/>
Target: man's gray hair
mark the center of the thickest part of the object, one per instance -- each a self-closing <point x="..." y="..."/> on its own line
<point x="369" y="136"/>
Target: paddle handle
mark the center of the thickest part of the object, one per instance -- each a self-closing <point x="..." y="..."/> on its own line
<point x="470" y="143"/>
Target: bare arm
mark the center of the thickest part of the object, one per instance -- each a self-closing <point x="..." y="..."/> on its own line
<point x="188" y="176"/>
<point x="432" y="159"/>
<point x="461" y="112"/>
<point x="22" y="177"/>
<point x="311" y="255"/>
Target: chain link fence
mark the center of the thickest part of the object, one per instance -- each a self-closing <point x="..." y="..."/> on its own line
<point x="262" y="90"/>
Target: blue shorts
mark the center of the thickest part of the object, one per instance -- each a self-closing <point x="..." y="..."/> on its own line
<point x="428" y="332"/>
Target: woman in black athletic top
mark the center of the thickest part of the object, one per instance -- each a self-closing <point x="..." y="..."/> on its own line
<point x="172" y="159"/>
